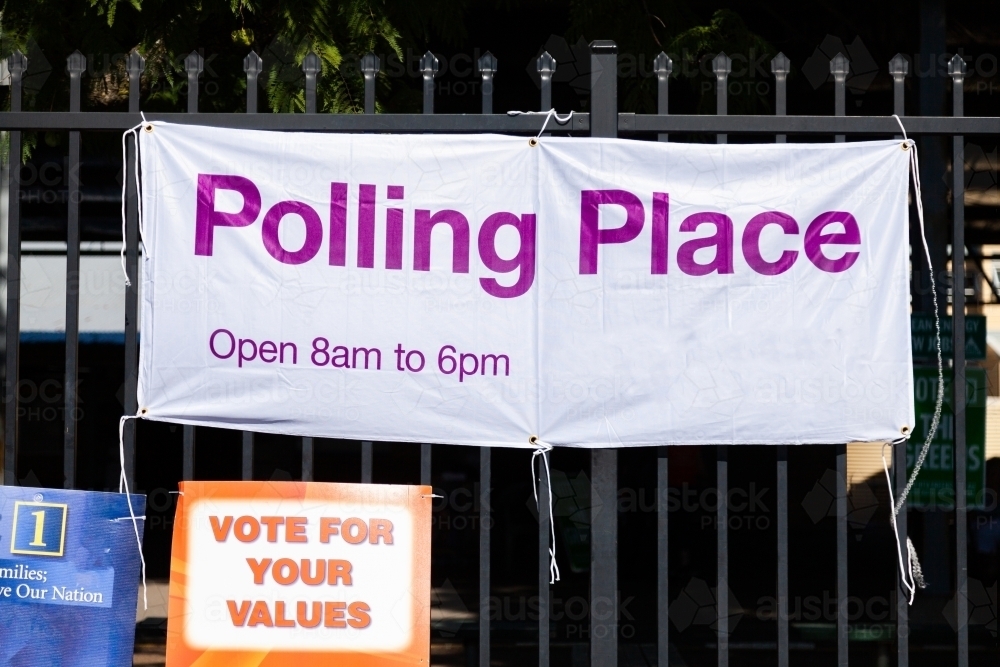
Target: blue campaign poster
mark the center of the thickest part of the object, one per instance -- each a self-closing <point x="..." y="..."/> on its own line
<point x="69" y="576"/>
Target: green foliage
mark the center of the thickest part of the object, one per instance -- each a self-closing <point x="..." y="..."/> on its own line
<point x="282" y="32"/>
<point x="109" y="7"/>
<point x="641" y="28"/>
<point x="644" y="28"/>
<point x="355" y="27"/>
<point x="751" y="57"/>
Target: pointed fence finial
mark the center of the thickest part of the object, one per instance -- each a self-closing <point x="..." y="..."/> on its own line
<point x="546" y="64"/>
<point x="780" y="64"/>
<point x="370" y="64"/>
<point x="253" y="64"/>
<point x="135" y="65"/>
<point x="17" y="63"/>
<point x="839" y="67"/>
<point x="76" y="63"/>
<point x="663" y="65"/>
<point x="487" y="63"/>
<point x="194" y="63"/>
<point x="956" y="67"/>
<point x="722" y="65"/>
<point x="487" y="66"/>
<point x="311" y="64"/>
<point x="899" y="66"/>
<point x="429" y="65"/>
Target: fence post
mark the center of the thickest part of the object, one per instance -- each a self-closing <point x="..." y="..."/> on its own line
<point x="544" y="493"/>
<point x="194" y="64"/>
<point x="603" y="88"/>
<point x="370" y="66"/>
<point x="429" y="67"/>
<point x="843" y="629"/>
<point x="956" y="69"/>
<point x="780" y="67"/>
<point x="187" y="455"/>
<point x="722" y="552"/>
<point x="308" y="453"/>
<point x="722" y="65"/>
<point x="546" y="66"/>
<point x="367" y="452"/>
<point x="487" y="68"/>
<point x="484" y="555"/>
<point x="17" y="64"/>
<point x="425" y="464"/>
<point x="662" y="557"/>
<point x="247" y="464"/>
<point x="136" y="65"/>
<point x="663" y="66"/>
<point x="839" y="67"/>
<point x="76" y="64"/>
<point x="899" y="67"/>
<point x="604" y="462"/>
<point x="782" y="508"/>
<point x="311" y="66"/>
<point x="253" y="66"/>
<point x="253" y="62"/>
<point x="902" y="599"/>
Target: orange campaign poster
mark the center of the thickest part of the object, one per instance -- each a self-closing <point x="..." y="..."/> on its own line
<point x="300" y="573"/>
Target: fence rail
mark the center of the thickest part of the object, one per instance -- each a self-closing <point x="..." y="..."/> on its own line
<point x="603" y="120"/>
<point x="628" y="123"/>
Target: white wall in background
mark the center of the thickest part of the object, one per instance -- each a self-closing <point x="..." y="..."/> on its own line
<point x="43" y="293"/>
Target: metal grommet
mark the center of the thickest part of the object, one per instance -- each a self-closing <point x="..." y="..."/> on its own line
<point x="143" y="411"/>
<point x="533" y="439"/>
<point x="533" y="142"/>
<point x="905" y="146"/>
<point x="905" y="430"/>
<point x="148" y="128"/>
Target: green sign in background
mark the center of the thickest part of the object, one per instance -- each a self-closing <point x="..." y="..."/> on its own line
<point x="922" y="336"/>
<point x="935" y="484"/>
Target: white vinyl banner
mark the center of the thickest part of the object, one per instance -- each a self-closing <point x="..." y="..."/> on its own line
<point x="477" y="290"/>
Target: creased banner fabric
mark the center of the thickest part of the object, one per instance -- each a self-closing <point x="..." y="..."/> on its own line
<point x="477" y="290"/>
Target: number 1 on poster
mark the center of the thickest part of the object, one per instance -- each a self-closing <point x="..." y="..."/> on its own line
<point x="39" y="529"/>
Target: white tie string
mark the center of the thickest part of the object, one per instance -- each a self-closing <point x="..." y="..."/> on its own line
<point x="542" y="449"/>
<point x="123" y="486"/>
<point x="939" y="401"/>
<point x="906" y="570"/>
<point x="911" y="567"/>
<point x="134" y="131"/>
<point x="551" y="113"/>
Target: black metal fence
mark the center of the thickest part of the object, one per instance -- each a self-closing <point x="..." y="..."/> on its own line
<point x="602" y="120"/>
